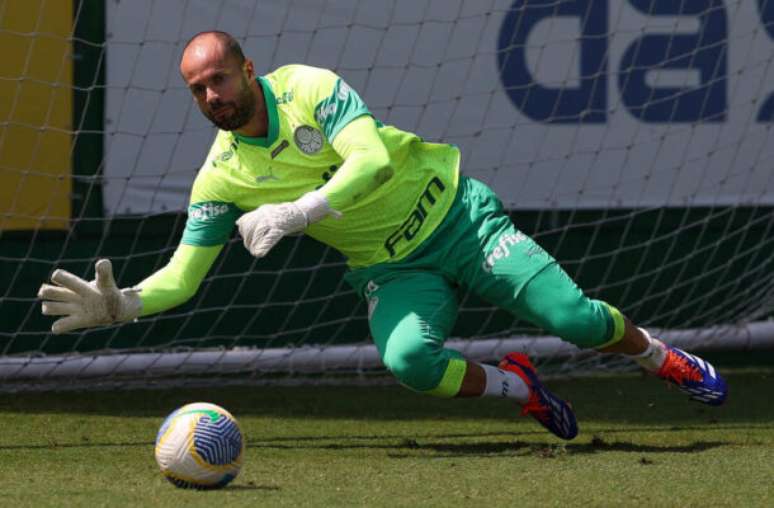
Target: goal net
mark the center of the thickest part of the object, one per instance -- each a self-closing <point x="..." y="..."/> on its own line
<point x="631" y="139"/>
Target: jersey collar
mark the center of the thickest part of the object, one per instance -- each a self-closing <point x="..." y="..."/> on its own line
<point x="271" y="111"/>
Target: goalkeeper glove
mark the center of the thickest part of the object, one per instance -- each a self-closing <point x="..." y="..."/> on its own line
<point x="86" y="304"/>
<point x="262" y="228"/>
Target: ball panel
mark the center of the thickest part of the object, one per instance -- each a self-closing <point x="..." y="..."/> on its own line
<point x="218" y="442"/>
<point x="165" y="425"/>
<point x="200" y="445"/>
<point x="174" y="443"/>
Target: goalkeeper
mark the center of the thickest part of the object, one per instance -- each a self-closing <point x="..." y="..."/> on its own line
<point x="298" y="151"/>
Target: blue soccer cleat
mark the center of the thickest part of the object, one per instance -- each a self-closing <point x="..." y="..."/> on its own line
<point x="694" y="376"/>
<point x="549" y="410"/>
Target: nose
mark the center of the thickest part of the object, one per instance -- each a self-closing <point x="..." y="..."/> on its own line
<point x="212" y="96"/>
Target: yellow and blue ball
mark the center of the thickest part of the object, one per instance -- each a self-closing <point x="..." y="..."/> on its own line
<point x="200" y="446"/>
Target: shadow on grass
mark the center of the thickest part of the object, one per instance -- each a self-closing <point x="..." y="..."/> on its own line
<point x="632" y="400"/>
<point x="249" y="486"/>
<point x="554" y="450"/>
<point x="57" y="446"/>
<point x="421" y="445"/>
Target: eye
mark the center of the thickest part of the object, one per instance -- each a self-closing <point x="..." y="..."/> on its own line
<point x="197" y="89"/>
<point x="217" y="79"/>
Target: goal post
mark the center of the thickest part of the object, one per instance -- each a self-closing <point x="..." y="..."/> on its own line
<point x="352" y="359"/>
<point x="631" y="139"/>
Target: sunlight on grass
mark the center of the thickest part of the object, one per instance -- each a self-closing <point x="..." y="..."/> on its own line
<point x="639" y="444"/>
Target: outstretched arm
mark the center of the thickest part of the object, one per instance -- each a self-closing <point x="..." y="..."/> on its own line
<point x="85" y="304"/>
<point x="177" y="282"/>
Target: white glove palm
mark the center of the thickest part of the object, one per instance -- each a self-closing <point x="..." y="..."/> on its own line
<point x="86" y="304"/>
<point x="262" y="228"/>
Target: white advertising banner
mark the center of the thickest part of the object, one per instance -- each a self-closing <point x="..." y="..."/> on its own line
<point x="572" y="104"/>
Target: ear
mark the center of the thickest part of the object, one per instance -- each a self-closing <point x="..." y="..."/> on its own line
<point x="249" y="68"/>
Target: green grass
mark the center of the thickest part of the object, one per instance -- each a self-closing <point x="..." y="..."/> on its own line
<point x="640" y="445"/>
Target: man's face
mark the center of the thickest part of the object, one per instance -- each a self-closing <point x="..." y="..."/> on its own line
<point x="220" y="86"/>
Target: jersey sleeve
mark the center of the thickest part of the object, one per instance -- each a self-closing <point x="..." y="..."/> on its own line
<point x="179" y="280"/>
<point x="332" y="100"/>
<point x="209" y="223"/>
<point x="366" y="164"/>
<point x="211" y="214"/>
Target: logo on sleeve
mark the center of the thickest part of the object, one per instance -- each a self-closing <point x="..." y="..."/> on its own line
<point x="344" y="90"/>
<point x="207" y="211"/>
<point x="502" y="249"/>
<point x="308" y="139"/>
<point x="324" y="112"/>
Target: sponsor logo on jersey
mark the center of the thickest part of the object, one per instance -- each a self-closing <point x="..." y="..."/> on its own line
<point x="324" y="112"/>
<point x="209" y="210"/>
<point x="264" y="178"/>
<point x="285" y="98"/>
<point x="411" y="226"/>
<point x="344" y="90"/>
<point x="308" y="139"/>
<point x="503" y="250"/>
<point x="328" y="109"/>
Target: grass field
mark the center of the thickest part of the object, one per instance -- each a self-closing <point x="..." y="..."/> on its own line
<point x="640" y="445"/>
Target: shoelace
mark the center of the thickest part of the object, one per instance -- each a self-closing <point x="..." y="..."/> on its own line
<point x="534" y="407"/>
<point x="679" y="370"/>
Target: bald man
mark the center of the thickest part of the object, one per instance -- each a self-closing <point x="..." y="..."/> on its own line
<point x="237" y="103"/>
<point x="298" y="151"/>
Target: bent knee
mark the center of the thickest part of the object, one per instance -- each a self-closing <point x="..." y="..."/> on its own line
<point x="419" y="367"/>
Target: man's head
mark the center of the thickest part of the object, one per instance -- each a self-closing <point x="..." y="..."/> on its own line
<point x="220" y="78"/>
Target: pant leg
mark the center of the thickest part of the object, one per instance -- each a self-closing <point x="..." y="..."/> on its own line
<point x="410" y="316"/>
<point x="554" y="302"/>
<point x="513" y="272"/>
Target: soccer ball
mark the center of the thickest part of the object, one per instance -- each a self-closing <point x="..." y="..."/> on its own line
<point x="200" y="446"/>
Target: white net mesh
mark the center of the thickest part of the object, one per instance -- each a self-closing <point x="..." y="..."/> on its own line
<point x="631" y="139"/>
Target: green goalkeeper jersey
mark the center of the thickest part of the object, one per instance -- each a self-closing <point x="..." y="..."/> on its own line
<point x="307" y="107"/>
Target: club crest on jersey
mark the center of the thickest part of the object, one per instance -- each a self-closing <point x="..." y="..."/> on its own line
<point x="225" y="156"/>
<point x="308" y="139"/>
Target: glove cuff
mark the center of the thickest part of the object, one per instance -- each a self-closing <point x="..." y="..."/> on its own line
<point x="131" y="305"/>
<point x="315" y="207"/>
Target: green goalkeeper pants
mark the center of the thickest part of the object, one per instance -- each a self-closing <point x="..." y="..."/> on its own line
<point x="413" y="303"/>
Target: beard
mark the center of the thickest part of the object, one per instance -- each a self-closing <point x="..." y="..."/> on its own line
<point x="242" y="109"/>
